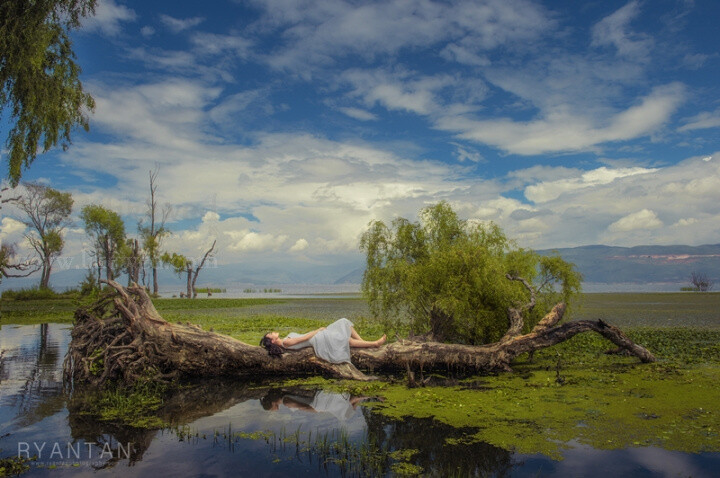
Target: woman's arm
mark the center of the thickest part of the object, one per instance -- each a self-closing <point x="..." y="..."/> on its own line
<point x="288" y="342"/>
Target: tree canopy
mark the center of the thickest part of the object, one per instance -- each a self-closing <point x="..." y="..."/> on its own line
<point x="451" y="277"/>
<point x="107" y="229"/>
<point x="47" y="214"/>
<point x="40" y="87"/>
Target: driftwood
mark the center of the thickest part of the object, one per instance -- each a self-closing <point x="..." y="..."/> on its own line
<point x="123" y="338"/>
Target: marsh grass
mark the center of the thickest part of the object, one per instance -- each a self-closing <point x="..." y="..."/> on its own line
<point x="135" y="406"/>
<point x="333" y="447"/>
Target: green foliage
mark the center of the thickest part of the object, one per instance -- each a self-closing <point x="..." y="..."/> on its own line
<point x="100" y="221"/>
<point x="40" y="87"/>
<point x="14" y="465"/>
<point x="47" y="212"/>
<point x="212" y="290"/>
<point x="178" y="262"/>
<point x="447" y="276"/>
<point x="107" y="229"/>
<point x="89" y="286"/>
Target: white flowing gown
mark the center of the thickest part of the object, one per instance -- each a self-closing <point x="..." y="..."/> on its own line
<point x="331" y="344"/>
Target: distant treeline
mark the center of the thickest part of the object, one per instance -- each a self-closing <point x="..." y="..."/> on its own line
<point x="266" y="291"/>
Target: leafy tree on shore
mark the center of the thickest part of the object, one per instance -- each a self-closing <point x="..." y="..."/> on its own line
<point x="47" y="214"/>
<point x="456" y="280"/>
<point x="40" y="89"/>
<point x="107" y="230"/>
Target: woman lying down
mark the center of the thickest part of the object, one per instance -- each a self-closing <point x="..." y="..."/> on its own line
<point x="331" y="343"/>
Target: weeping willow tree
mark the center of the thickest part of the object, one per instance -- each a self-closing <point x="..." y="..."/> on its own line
<point x="455" y="280"/>
<point x="41" y="96"/>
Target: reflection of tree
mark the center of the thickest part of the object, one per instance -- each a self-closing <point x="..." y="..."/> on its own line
<point x="435" y="455"/>
<point x="188" y="403"/>
<point x="41" y="395"/>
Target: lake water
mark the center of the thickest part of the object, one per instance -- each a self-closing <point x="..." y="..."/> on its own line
<point x="223" y="428"/>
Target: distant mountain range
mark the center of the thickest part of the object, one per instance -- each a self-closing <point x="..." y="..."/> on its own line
<point x="650" y="268"/>
<point x="604" y="268"/>
<point x="665" y="267"/>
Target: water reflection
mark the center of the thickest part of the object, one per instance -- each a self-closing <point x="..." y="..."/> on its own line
<point x="30" y="373"/>
<point x="228" y="427"/>
<point x="342" y="406"/>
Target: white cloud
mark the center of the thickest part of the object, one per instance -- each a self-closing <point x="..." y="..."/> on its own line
<point x="625" y="206"/>
<point x="461" y="54"/>
<point x="643" y="220"/>
<point x="247" y="241"/>
<point x="358" y="114"/>
<point x="214" y="44"/>
<point x="11" y="230"/>
<point x="565" y="131"/>
<point x="703" y="120"/>
<point x="317" y="32"/>
<point x="177" y="25"/>
<point x="167" y="113"/>
<point x="107" y="18"/>
<point x="614" y="30"/>
<point x="548" y="190"/>
<point x="465" y="153"/>
<point x="299" y="246"/>
<point x="397" y="91"/>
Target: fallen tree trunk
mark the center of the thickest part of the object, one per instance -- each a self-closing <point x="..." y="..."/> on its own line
<point x="123" y="338"/>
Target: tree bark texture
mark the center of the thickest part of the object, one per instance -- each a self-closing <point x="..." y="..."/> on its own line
<point x="123" y="338"/>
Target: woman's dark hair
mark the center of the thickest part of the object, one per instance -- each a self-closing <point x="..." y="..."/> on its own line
<point x="274" y="350"/>
<point x="272" y="396"/>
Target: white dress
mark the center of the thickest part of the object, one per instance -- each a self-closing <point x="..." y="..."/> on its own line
<point x="331" y="344"/>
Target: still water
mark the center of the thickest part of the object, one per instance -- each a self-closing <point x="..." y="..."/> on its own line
<point x="227" y="428"/>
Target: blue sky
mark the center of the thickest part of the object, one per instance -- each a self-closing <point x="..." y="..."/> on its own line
<point x="281" y="128"/>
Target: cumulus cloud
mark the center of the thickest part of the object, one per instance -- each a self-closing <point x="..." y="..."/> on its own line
<point x="548" y="190"/>
<point x="644" y="219"/>
<point x="248" y="241"/>
<point x="299" y="246"/>
<point x="11" y="230"/>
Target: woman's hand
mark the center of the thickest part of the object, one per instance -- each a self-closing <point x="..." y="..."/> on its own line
<point x="321" y="329"/>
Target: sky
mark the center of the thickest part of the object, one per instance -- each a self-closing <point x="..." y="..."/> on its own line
<point x="281" y="128"/>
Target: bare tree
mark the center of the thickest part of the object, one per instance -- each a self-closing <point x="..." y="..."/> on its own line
<point x="155" y="231"/>
<point x="10" y="267"/>
<point x="6" y="200"/>
<point x="183" y="265"/>
<point x="200" y="266"/>
<point x="701" y="282"/>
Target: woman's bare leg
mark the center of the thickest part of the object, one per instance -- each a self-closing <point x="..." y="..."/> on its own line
<point x="354" y="334"/>
<point x="366" y="344"/>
